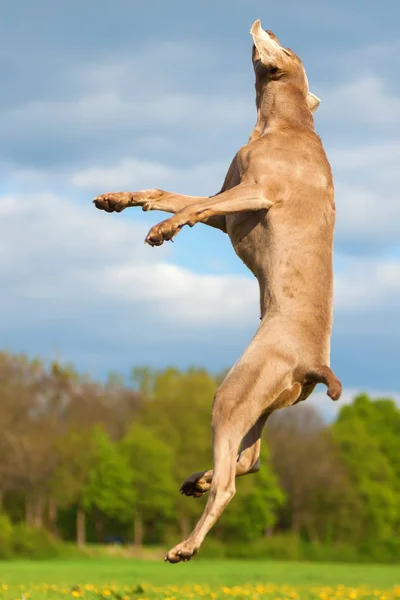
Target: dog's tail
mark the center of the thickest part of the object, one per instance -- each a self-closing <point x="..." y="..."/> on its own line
<point x="324" y="374"/>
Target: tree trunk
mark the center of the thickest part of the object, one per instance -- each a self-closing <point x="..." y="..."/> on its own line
<point x="52" y="514"/>
<point x="311" y="532"/>
<point x="29" y="513"/>
<point x="99" y="525"/>
<point x="296" y="516"/>
<point x="268" y="532"/>
<point x="295" y="525"/>
<point x="38" y="512"/>
<point x="80" y="526"/>
<point x="138" y="530"/>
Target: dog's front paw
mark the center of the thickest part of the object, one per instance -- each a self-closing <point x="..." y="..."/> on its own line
<point x="168" y="229"/>
<point x="117" y="201"/>
<point x="113" y="201"/>
<point x="163" y="231"/>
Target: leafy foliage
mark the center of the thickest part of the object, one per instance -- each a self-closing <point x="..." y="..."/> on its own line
<point x="106" y="460"/>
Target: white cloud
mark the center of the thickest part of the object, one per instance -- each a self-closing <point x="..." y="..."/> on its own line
<point x="365" y="284"/>
<point x="77" y="251"/>
<point x="141" y="71"/>
<point x="366" y="156"/>
<point x="133" y="174"/>
<point x="58" y="253"/>
<point x="367" y="177"/>
<point x="107" y="109"/>
<point x="329" y="409"/>
<point x="362" y="115"/>
<point x="129" y="174"/>
<point x="366" y="99"/>
<point x="62" y="262"/>
<point x="59" y="260"/>
<point x="367" y="180"/>
<point x="367" y="215"/>
<point x="110" y="105"/>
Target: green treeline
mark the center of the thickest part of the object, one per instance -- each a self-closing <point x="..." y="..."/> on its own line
<point x="98" y="462"/>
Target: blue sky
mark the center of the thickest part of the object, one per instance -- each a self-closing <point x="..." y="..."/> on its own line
<point x="124" y="95"/>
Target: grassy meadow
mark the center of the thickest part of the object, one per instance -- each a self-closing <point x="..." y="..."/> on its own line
<point x="124" y="579"/>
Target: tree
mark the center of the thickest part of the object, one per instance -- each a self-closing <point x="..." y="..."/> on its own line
<point x="109" y="489"/>
<point x="178" y="410"/>
<point x="30" y="424"/>
<point x="367" y="434"/>
<point x="77" y="458"/>
<point x="255" y="509"/>
<point x="320" y="498"/>
<point x="150" y="460"/>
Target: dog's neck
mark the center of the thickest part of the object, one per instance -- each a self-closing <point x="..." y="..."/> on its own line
<point x="280" y="105"/>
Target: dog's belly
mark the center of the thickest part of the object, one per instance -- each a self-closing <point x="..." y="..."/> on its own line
<point x="248" y="237"/>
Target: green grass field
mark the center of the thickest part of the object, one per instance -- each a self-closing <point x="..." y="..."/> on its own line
<point x="124" y="579"/>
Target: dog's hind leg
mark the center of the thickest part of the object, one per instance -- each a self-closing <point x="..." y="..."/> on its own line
<point x="248" y="461"/>
<point x="262" y="375"/>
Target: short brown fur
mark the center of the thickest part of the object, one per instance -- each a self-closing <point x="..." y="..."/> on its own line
<point x="277" y="206"/>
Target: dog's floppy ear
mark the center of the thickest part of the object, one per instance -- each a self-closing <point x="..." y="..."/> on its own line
<point x="313" y="102"/>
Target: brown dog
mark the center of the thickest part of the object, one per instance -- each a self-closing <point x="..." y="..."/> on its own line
<point x="277" y="206"/>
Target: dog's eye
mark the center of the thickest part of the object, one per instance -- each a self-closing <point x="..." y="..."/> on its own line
<point x="273" y="70"/>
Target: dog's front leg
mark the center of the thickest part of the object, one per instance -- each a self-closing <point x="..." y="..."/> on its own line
<point x="154" y="200"/>
<point x="242" y="198"/>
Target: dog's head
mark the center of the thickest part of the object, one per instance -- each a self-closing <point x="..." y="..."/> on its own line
<point x="272" y="61"/>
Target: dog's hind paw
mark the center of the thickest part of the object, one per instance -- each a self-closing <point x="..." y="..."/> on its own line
<point x="182" y="552"/>
<point x="196" y="485"/>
